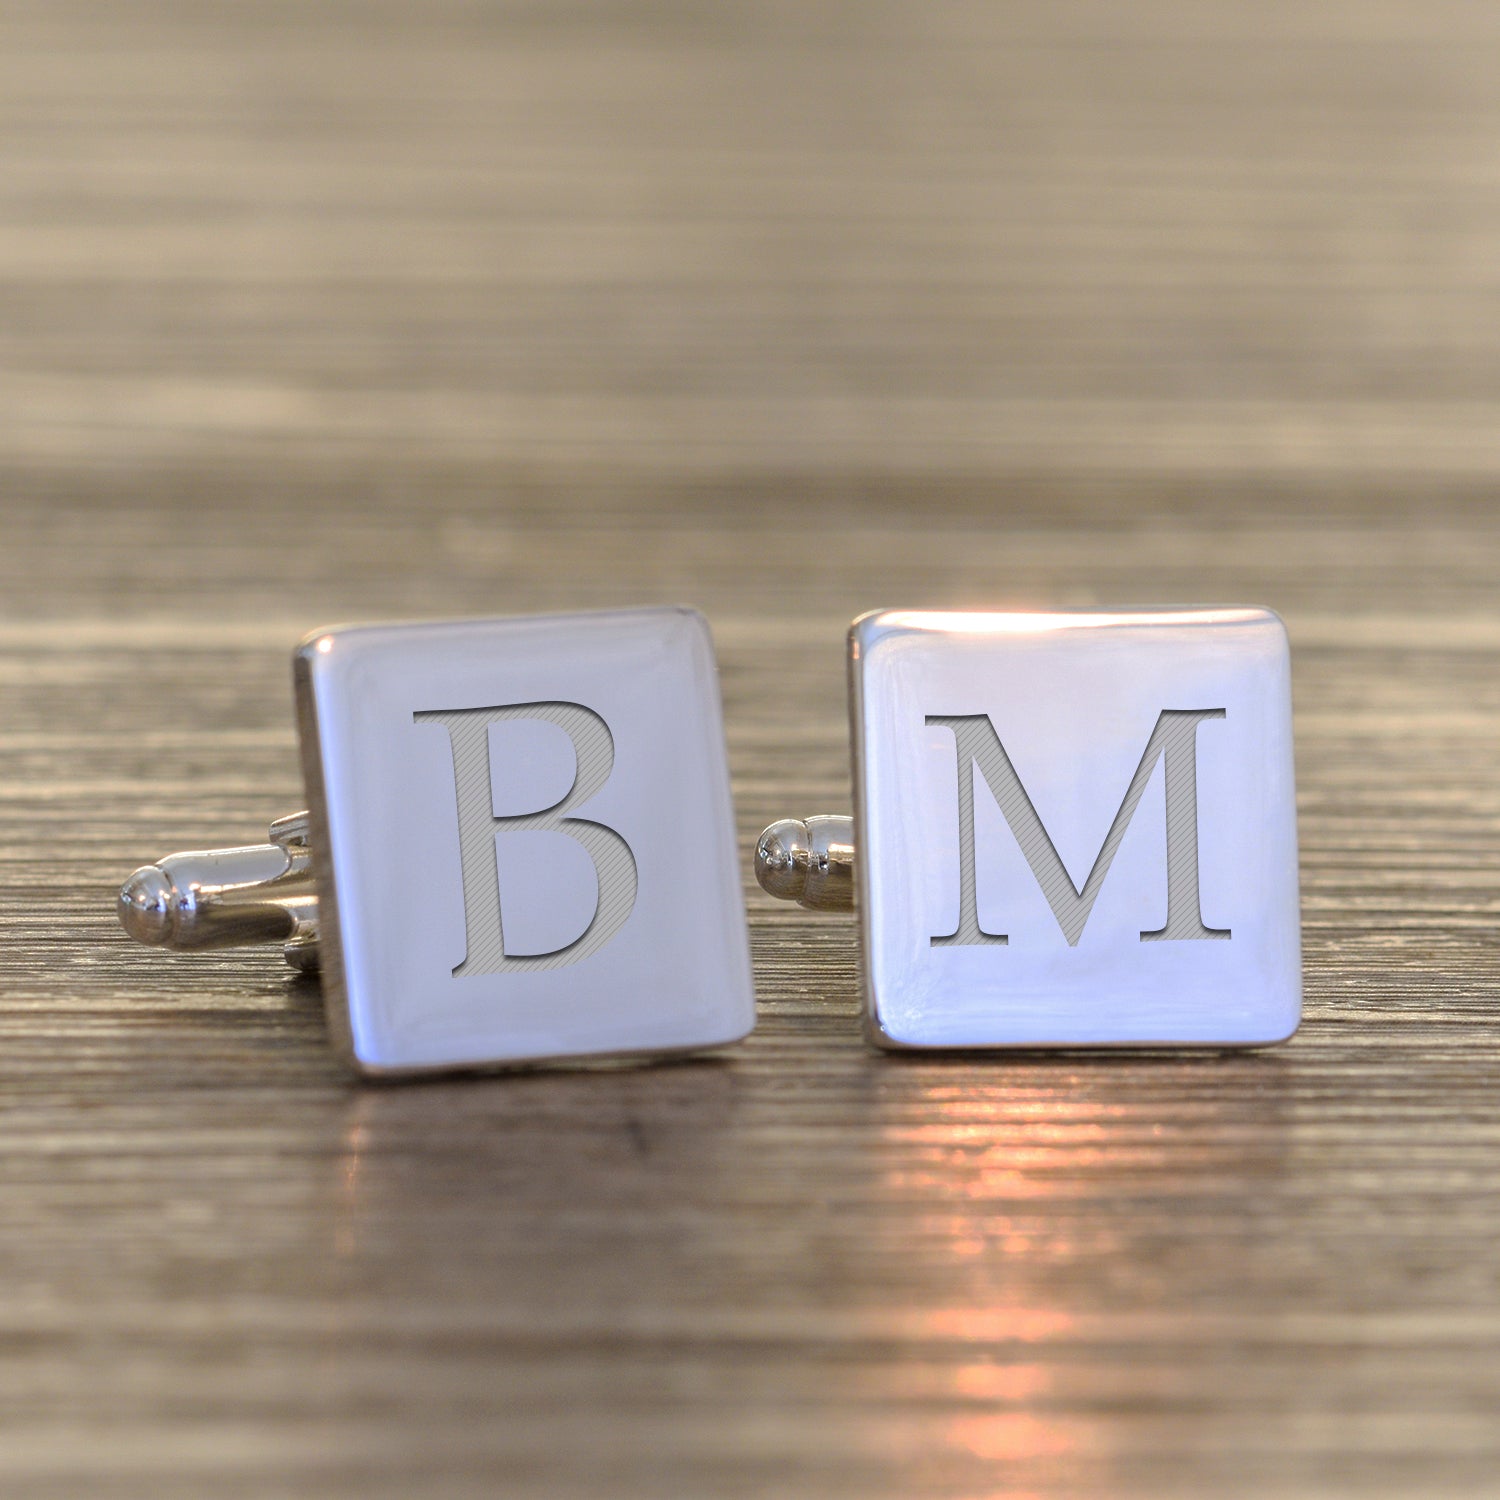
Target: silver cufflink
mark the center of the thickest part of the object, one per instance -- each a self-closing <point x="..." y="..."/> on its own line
<point x="1070" y="829"/>
<point x="519" y="845"/>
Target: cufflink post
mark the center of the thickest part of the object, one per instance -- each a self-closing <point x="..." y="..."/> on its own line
<point x="809" y="861"/>
<point x="227" y="898"/>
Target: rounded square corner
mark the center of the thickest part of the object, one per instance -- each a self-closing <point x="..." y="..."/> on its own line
<point x="694" y="628"/>
<point x="879" y="1035"/>
<point x="317" y="645"/>
<point x="691" y="615"/>
<point x="742" y="1025"/>
<point x="870" y="633"/>
<point x="1290" y="1025"/>
<point x="1263" y="617"/>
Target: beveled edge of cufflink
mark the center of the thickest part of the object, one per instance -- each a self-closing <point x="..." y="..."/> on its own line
<point x="330" y="939"/>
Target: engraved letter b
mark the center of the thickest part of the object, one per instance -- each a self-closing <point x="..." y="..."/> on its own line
<point x="614" y="864"/>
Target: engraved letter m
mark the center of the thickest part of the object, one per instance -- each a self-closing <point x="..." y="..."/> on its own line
<point x="1174" y="739"/>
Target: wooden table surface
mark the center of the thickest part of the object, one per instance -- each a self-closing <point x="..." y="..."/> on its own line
<point x="311" y="312"/>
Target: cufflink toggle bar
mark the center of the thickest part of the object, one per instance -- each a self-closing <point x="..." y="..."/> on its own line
<point x="227" y="898"/>
<point x="811" y="862"/>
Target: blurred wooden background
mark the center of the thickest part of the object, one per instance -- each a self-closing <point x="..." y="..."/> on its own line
<point x="317" y="311"/>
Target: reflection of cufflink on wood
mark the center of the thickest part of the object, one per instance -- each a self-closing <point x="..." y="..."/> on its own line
<point x="1070" y="829"/>
<point x="490" y="869"/>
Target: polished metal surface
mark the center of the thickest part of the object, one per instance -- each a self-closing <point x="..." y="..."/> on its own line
<point x="440" y="952"/>
<point x="809" y="861"/>
<point x="943" y="962"/>
<point x="1009" y="897"/>
<point x="340" y="310"/>
<point x="226" y="898"/>
<point x="499" y="810"/>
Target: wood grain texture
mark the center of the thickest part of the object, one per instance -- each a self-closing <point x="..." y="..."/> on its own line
<point x="312" y="312"/>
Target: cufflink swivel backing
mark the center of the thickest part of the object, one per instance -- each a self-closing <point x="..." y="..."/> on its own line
<point x="1007" y="895"/>
<point x="226" y="898"/>
<point x="809" y="861"/>
<point x="490" y="868"/>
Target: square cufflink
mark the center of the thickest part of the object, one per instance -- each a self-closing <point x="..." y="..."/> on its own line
<point x="1070" y="829"/>
<point x="519" y="845"/>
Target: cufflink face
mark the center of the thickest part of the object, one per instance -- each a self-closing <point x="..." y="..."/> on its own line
<point x="1076" y="828"/>
<point x="523" y="839"/>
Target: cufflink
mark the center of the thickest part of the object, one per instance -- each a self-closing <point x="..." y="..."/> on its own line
<point x="519" y="845"/>
<point x="1070" y="829"/>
